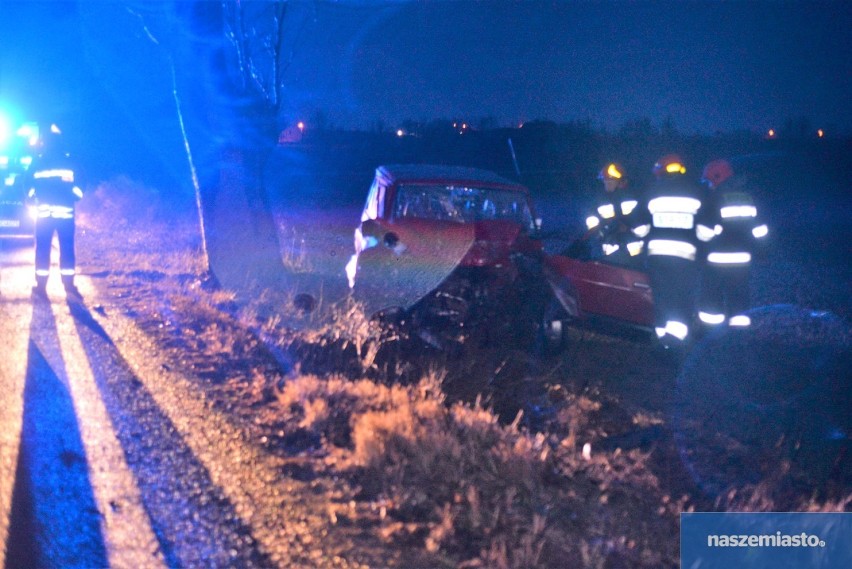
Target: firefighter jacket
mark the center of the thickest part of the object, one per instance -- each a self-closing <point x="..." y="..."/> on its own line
<point x="53" y="187"/>
<point x="669" y="218"/>
<point x="736" y="226"/>
<point x="613" y="217"/>
<point x="612" y="206"/>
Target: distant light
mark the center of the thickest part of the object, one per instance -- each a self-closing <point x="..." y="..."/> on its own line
<point x="771" y="133"/>
<point x="400" y="132"/>
<point x="675" y="168"/>
<point x="55" y="129"/>
<point x="26" y="160"/>
<point x="464" y="125"/>
<point x="300" y="125"/>
<point x="820" y="133"/>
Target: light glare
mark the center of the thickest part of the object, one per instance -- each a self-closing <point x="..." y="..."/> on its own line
<point x="613" y="172"/>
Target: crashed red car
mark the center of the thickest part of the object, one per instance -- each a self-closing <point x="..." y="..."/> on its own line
<point x="447" y="244"/>
<point x="605" y="289"/>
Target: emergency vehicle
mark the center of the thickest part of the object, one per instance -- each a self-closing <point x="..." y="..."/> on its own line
<point x="17" y="145"/>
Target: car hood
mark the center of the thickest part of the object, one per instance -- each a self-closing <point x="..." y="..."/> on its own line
<point x="494" y="241"/>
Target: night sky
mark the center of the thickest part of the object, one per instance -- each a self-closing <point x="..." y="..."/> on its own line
<point x="708" y="66"/>
<point x="705" y="66"/>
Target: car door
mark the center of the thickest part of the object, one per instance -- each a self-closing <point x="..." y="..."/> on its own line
<point x="609" y="290"/>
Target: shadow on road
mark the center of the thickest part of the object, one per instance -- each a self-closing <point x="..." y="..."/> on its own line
<point x="193" y="520"/>
<point x="54" y="519"/>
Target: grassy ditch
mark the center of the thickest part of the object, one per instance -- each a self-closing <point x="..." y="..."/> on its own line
<point x="439" y="453"/>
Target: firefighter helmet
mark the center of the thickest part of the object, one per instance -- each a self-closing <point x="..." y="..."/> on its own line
<point x="611" y="171"/>
<point x="668" y="164"/>
<point x="716" y="172"/>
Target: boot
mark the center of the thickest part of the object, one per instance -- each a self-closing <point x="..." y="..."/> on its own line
<point x="70" y="289"/>
<point x="40" y="289"/>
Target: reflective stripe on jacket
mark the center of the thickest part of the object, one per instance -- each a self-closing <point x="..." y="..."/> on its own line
<point x="669" y="218"/>
<point x="736" y="218"/>
<point x="53" y="187"/>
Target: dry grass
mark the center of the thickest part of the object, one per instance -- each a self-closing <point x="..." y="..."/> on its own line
<point x="446" y="478"/>
<point x="124" y="227"/>
<point x="455" y="481"/>
<point x="294" y="253"/>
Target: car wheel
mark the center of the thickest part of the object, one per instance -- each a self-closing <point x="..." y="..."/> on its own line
<point x="553" y="327"/>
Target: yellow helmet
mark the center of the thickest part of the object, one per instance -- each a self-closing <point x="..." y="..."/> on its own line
<point x="667" y="165"/>
<point x="611" y="171"/>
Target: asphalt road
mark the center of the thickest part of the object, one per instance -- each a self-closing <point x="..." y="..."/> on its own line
<point x="109" y="458"/>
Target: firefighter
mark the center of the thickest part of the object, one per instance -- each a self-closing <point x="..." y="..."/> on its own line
<point x="612" y="218"/>
<point x="725" y="294"/>
<point x="667" y="221"/>
<point x="54" y="190"/>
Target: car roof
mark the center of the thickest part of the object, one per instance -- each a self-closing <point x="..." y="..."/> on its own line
<point x="426" y="173"/>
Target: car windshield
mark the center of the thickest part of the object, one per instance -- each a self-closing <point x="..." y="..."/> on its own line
<point x="462" y="204"/>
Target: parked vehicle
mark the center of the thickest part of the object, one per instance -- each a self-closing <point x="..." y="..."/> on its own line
<point x="16" y="218"/>
<point x="449" y="248"/>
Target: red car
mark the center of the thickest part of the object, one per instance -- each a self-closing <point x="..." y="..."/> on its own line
<point x="450" y="244"/>
<point x="604" y="288"/>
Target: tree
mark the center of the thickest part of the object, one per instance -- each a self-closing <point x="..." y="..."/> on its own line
<point x="800" y="128"/>
<point x="319" y="120"/>
<point x="226" y="62"/>
<point x="487" y="123"/>
<point x="638" y="129"/>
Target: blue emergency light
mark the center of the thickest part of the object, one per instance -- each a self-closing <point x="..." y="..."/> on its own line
<point x="6" y="130"/>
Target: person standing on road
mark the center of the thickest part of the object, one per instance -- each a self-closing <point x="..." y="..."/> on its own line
<point x="725" y="293"/>
<point x="54" y="190"/>
<point x="613" y="211"/>
<point x="668" y="222"/>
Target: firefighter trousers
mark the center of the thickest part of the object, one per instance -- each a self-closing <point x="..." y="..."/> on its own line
<point x="725" y="289"/>
<point x="674" y="281"/>
<point x="44" y="231"/>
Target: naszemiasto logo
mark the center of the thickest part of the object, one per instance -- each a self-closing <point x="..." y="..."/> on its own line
<point x="777" y="539"/>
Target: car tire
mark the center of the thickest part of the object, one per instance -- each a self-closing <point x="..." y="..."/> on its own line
<point x="553" y="326"/>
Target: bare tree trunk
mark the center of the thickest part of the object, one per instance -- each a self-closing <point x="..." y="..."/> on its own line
<point x="231" y="133"/>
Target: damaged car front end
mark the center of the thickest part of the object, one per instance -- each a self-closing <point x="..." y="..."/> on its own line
<point x="449" y="250"/>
